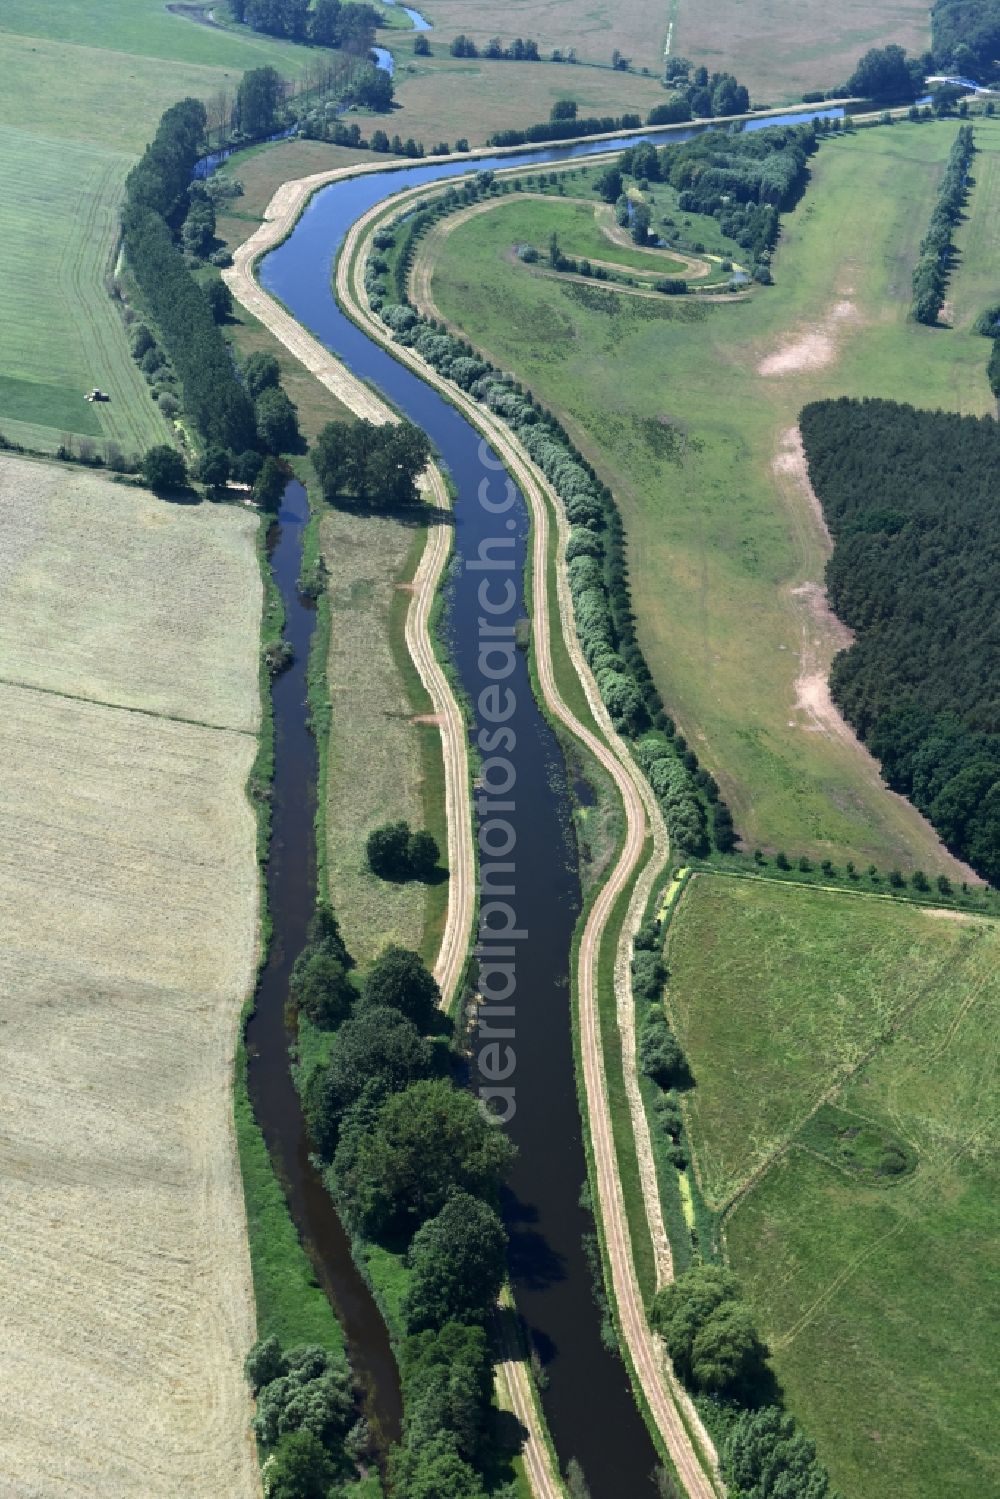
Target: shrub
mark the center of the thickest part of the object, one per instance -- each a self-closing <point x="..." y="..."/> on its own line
<point x="400" y="980"/>
<point x="321" y="988"/>
<point x="163" y="468"/>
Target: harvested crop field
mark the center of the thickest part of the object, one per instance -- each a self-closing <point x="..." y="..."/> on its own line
<point x="128" y="896"/>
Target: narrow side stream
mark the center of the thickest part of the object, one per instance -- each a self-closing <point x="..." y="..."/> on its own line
<point x="291" y="893"/>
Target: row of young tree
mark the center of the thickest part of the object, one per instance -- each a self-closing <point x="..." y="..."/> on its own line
<point x="596" y="550"/>
<point x="414" y="1165"/>
<point x="565" y="126"/>
<point x="930" y="274"/>
<point x="519" y="50"/>
<point x="910" y="498"/>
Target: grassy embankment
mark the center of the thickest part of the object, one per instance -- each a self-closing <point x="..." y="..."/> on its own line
<point x="130" y="712"/>
<point x="603" y="819"/>
<point x="824" y="1032"/>
<point x="725" y="551"/>
<point x="64" y="154"/>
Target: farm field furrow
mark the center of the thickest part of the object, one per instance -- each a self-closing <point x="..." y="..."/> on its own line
<point x="689" y="413"/>
<point x="860" y="1037"/>
<point x="128" y="892"/>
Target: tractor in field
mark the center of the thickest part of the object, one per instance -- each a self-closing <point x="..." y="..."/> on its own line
<point x="97" y="395"/>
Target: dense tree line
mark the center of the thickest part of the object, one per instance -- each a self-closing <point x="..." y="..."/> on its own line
<point x="698" y="94"/>
<point x="326" y="23"/>
<point x="910" y="498"/>
<point x="565" y="128"/>
<point x="413" y="1164"/>
<point x="965" y="35"/>
<point x="886" y="75"/>
<point x="304" y="1418"/>
<point x="930" y="274"/>
<point x="212" y="393"/>
<point x="164" y="211"/>
<point x="988" y="324"/>
<point x="595" y="554"/>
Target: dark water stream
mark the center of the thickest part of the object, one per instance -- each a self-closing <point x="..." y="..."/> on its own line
<point x="587" y="1401"/>
<point x="291" y="894"/>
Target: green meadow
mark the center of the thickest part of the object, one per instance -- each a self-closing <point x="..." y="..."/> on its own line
<point x="845" y="1052"/>
<point x="725" y="549"/>
<point x="83" y="89"/>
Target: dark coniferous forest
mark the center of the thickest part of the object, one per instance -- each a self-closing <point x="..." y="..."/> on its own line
<point x="912" y="499"/>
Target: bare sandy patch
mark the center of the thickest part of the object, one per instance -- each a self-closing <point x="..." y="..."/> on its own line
<point x="814" y="347"/>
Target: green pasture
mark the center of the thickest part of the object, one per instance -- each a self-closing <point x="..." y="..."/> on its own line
<point x="685" y="230"/>
<point x="668" y="403"/>
<point x="60" y="334"/>
<point x="145" y="28"/>
<point x="532" y="221"/>
<point x="822" y="1029"/>
<point x="83" y="89"/>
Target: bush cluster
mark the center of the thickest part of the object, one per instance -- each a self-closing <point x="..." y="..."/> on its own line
<point x="305" y="1411"/>
<point x="930" y="274"/>
<point x="396" y="853"/>
<point x="413" y="1164"/>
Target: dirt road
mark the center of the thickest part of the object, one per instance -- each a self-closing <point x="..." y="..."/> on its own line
<point x="664" y="1396"/>
<point x="665" y="1399"/>
<point x="281" y="213"/>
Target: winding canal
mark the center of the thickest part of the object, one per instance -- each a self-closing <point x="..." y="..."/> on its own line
<point x="587" y="1400"/>
<point x="291" y="896"/>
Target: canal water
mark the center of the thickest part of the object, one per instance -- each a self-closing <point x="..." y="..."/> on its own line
<point x="587" y="1398"/>
<point x="291" y="896"/>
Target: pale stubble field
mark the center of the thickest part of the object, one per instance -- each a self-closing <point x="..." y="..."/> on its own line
<point x="128" y="902"/>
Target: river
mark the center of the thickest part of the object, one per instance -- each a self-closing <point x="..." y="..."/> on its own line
<point x="587" y="1400"/>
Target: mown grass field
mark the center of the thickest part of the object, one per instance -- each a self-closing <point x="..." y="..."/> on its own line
<point x="578" y="224"/>
<point x="726" y="550"/>
<point x="128" y="886"/>
<point x="382" y="765"/>
<point x="639" y="31"/>
<point x="60" y="332"/>
<point x="83" y="89"/>
<point x="873" y="1291"/>
<point x="785" y="47"/>
<point x="442" y="98"/>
